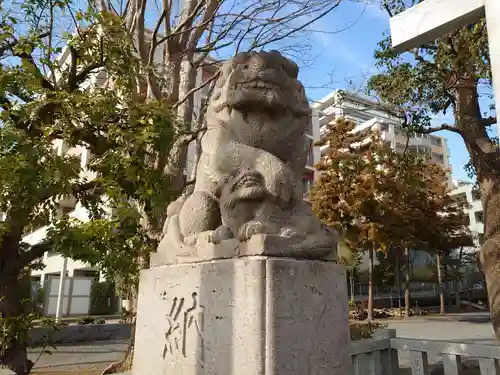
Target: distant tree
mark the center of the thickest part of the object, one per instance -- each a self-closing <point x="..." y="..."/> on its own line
<point x="346" y="194"/>
<point x="378" y="198"/>
<point x="384" y="273"/>
<point x="450" y="236"/>
<point x="351" y="259"/>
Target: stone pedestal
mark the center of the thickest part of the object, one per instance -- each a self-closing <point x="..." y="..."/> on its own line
<point x="245" y="316"/>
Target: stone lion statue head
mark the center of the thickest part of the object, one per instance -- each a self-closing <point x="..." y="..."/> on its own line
<point x="260" y="82"/>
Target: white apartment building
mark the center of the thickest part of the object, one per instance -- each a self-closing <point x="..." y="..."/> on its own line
<point x="54" y="262"/>
<point x="467" y="192"/>
<point x="368" y="113"/>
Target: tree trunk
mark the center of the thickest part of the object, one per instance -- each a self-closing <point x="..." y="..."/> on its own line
<point x="440" y="283"/>
<point x="457" y="272"/>
<point x="457" y="296"/>
<point x="13" y="354"/>
<point x="370" y="286"/>
<point x="398" y="280"/>
<point x="351" y="283"/>
<point x="125" y="364"/>
<point x="407" y="283"/>
<point x="490" y="251"/>
<point x="484" y="157"/>
<point x="187" y="82"/>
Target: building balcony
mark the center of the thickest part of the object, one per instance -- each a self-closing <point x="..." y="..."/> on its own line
<point x="53" y="263"/>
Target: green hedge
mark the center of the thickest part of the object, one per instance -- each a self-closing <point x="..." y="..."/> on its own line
<point x="103" y="299"/>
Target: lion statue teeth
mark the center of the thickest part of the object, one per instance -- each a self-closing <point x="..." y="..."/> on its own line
<point x="256" y="121"/>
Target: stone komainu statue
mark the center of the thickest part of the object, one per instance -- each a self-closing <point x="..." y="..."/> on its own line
<point x="257" y="118"/>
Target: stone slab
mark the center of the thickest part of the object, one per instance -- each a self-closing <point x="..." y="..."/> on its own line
<point x="257" y="245"/>
<point x="245" y="316"/>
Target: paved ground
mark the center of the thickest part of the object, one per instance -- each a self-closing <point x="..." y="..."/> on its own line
<point x="474" y="327"/>
<point x="461" y="327"/>
<point x="96" y="355"/>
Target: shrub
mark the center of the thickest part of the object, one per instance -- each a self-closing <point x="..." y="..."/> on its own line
<point x="100" y="321"/>
<point x="40" y="298"/>
<point x="126" y="316"/>
<point x="103" y="299"/>
<point x="86" y="320"/>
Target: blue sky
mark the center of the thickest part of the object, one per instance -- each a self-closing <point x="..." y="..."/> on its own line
<point x="345" y="59"/>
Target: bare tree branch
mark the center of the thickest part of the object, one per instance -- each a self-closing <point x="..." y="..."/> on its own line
<point x="492" y="120"/>
<point x="197" y="88"/>
<point x="450" y="128"/>
<point x="34" y="252"/>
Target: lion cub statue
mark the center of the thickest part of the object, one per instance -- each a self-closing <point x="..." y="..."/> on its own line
<point x="248" y="208"/>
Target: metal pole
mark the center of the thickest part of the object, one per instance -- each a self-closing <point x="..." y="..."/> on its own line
<point x="60" y="296"/>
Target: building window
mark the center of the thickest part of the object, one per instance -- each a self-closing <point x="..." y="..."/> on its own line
<point x="310" y="155"/>
<point x="306" y="183"/>
<point x="480" y="238"/>
<point x="205" y="91"/>
<point x="436" y="141"/>
<point x="400" y="148"/>
<point x="310" y="127"/>
<point x="461" y="198"/>
<point x="420" y="151"/>
<point x="479" y="216"/>
<point x="476" y="195"/>
<point x="419" y="135"/>
<point x="203" y="102"/>
<point x="467" y="220"/>
<point x="328" y="111"/>
<point x="437" y="158"/>
<point x="66" y="210"/>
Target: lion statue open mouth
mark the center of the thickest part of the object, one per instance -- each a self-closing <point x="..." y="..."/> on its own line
<point x="257" y="119"/>
<point x="261" y="82"/>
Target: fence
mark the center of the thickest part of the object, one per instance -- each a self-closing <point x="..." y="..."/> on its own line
<point x="76" y="295"/>
<point x="379" y="356"/>
<point x="416" y="290"/>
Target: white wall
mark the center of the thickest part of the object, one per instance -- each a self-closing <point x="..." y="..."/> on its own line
<point x="475" y="206"/>
<point x="76" y="296"/>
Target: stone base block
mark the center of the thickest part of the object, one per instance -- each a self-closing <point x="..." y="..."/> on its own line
<point x="244" y="316"/>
